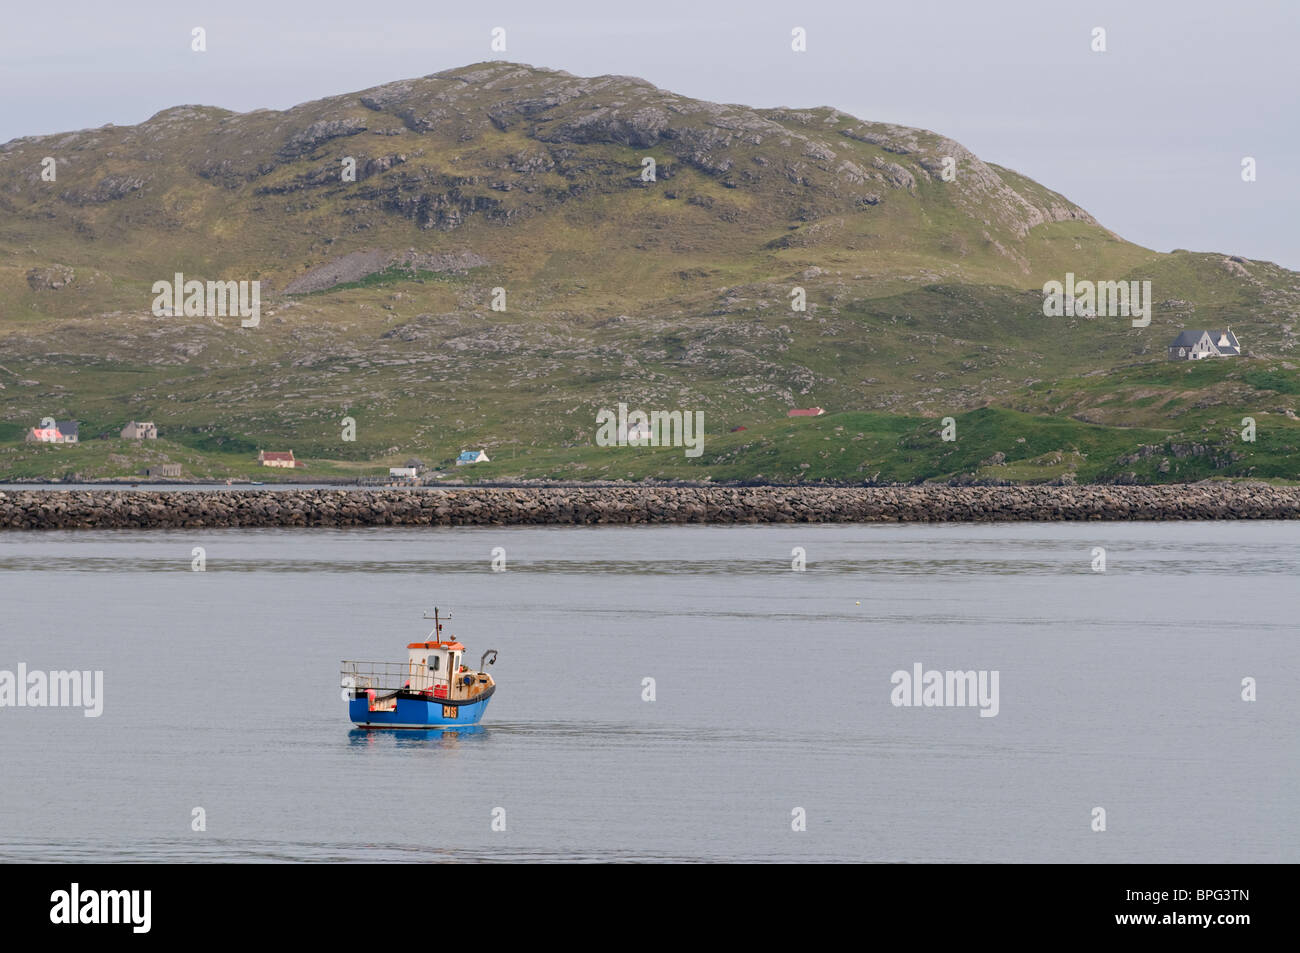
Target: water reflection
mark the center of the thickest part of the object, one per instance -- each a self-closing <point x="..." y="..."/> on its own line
<point x="447" y="738"/>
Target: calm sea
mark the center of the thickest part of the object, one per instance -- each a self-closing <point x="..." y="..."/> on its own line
<point x="1120" y="690"/>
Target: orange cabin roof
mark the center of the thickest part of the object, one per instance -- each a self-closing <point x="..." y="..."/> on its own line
<point x="436" y="645"/>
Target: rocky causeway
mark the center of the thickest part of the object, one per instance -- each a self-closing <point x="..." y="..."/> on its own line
<point x="624" y="505"/>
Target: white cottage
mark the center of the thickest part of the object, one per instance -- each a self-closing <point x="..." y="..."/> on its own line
<point x="1197" y="345"/>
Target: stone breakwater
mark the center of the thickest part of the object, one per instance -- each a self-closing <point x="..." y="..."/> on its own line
<point x="196" y="509"/>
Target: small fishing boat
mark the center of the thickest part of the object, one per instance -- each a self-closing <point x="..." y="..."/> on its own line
<point x="431" y="689"/>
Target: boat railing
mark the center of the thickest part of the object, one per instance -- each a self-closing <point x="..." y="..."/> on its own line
<point x="391" y="677"/>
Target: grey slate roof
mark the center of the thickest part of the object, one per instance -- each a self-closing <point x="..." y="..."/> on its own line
<point x="67" y="427"/>
<point x="1189" y="338"/>
<point x="1232" y="346"/>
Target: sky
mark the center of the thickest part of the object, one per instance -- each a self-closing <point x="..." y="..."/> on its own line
<point x="1149" y="136"/>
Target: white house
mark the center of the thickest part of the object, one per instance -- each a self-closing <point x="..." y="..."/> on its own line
<point x="1197" y="345"/>
<point x="277" y="458"/>
<point x="471" y="456"/>
<point x="404" y="473"/>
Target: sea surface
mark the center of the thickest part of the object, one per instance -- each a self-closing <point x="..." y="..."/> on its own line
<point x="1118" y="689"/>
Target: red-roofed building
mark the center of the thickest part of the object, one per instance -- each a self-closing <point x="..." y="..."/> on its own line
<point x="44" y="435"/>
<point x="810" y="412"/>
<point x="64" y="431"/>
<point x="276" y="458"/>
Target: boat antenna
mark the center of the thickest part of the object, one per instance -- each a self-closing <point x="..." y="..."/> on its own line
<point x="437" y="622"/>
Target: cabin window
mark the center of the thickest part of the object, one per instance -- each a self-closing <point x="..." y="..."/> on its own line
<point x="433" y="662"/>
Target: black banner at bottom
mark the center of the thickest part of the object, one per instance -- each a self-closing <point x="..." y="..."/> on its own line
<point x="379" y="902"/>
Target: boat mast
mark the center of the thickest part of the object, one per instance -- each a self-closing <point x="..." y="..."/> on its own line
<point x="437" y="638"/>
<point x="437" y="623"/>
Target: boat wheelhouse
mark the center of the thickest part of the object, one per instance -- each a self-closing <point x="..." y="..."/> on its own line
<point x="433" y="688"/>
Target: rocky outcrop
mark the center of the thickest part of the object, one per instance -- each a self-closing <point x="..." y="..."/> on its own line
<point x="51" y="278"/>
<point x="109" y="189"/>
<point x="300" y="143"/>
<point x="1222" y="457"/>
<point x="361" y="264"/>
<point x="147" y="509"/>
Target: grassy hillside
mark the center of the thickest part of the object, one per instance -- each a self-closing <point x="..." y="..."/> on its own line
<point x="924" y="297"/>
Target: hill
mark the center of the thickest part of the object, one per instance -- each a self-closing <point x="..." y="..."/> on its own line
<point x="923" y="289"/>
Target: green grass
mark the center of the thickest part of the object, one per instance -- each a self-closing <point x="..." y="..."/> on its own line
<point x="862" y="447"/>
<point x="390" y="277"/>
<point x="1273" y="380"/>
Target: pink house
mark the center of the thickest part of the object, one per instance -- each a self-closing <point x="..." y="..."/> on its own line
<point x="63" y="431"/>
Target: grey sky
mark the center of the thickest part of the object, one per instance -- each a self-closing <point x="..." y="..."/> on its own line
<point x="1148" y="136"/>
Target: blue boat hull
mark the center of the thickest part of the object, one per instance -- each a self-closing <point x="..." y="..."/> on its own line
<point x="418" y="712"/>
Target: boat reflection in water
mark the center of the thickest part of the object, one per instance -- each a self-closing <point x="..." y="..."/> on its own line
<point x="413" y="737"/>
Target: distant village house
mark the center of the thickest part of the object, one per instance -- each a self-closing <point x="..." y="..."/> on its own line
<point x="404" y="473"/>
<point x="1197" y="345"/>
<point x="471" y="456"/>
<point x="275" y="458"/>
<point x="163" y="470"/>
<point x="140" y="431"/>
<point x="64" y="431"/>
<point x="810" y="412"/>
<point x="44" y="435"/>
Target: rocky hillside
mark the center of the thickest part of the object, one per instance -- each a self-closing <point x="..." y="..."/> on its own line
<point x="470" y="151"/>
<point x="922" y="266"/>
